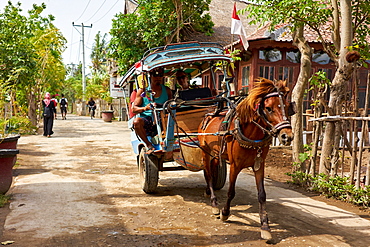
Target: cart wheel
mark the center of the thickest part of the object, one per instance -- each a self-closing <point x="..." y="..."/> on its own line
<point x="148" y="169"/>
<point x="219" y="178"/>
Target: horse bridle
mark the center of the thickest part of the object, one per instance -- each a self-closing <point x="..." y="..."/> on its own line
<point x="273" y="129"/>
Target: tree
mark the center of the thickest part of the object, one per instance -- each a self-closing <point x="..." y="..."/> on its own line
<point x="298" y="15"/>
<point x="349" y="22"/>
<point x="345" y="14"/>
<point x="99" y="53"/>
<point x="156" y="23"/>
<point x="30" y="56"/>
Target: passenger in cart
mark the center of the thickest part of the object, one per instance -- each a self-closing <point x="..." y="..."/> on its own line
<point x="144" y="125"/>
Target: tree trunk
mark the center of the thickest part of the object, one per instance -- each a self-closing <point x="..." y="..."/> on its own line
<point x="298" y="93"/>
<point x="32" y="106"/>
<point x="337" y="92"/>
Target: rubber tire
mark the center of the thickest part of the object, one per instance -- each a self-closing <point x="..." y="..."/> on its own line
<point x="219" y="179"/>
<point x="148" y="171"/>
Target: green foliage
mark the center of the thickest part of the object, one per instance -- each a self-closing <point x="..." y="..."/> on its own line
<point x="314" y="14"/>
<point x="154" y="24"/>
<point x="307" y="154"/>
<point x="334" y="187"/>
<point x="98" y="86"/>
<point x="4" y="199"/>
<point x="30" y="56"/>
<point x="16" y="125"/>
<point x="318" y="83"/>
<point x="294" y="12"/>
<point x="319" y="80"/>
<point x="99" y="53"/>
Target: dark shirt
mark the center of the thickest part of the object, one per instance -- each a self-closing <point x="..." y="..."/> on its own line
<point x="91" y="103"/>
<point x="51" y="106"/>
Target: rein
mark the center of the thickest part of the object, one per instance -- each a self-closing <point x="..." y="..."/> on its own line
<point x="274" y="129"/>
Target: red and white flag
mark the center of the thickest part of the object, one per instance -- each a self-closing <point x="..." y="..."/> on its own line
<point x="237" y="28"/>
<point x="139" y="67"/>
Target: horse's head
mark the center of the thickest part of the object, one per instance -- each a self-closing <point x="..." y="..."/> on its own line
<point x="267" y="107"/>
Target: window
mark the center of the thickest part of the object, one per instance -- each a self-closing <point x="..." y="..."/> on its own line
<point x="270" y="55"/>
<point x="245" y="76"/>
<point x="286" y="73"/>
<point x="267" y="72"/>
<point x="320" y="57"/>
<point x="293" y="56"/>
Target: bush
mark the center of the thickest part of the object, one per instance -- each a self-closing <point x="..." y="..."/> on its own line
<point x="333" y="187"/>
<point x="16" y="125"/>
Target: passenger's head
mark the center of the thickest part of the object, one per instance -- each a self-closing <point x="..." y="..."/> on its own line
<point x="157" y="76"/>
<point x="47" y="96"/>
<point x="182" y="79"/>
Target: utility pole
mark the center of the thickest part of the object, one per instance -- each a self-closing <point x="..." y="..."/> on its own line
<point x="83" y="57"/>
<point x="73" y="68"/>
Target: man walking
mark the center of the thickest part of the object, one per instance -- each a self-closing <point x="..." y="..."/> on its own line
<point x="63" y="107"/>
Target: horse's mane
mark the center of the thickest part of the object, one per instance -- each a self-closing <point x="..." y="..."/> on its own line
<point x="247" y="108"/>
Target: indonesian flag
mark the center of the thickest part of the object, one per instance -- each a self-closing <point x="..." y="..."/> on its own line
<point x="140" y="67"/>
<point x="237" y="28"/>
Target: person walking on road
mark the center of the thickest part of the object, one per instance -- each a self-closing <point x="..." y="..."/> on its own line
<point x="53" y="99"/>
<point x="49" y="111"/>
<point x="63" y="107"/>
<point x="92" y="106"/>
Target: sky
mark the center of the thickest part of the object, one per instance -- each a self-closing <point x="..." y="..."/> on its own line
<point x="99" y="13"/>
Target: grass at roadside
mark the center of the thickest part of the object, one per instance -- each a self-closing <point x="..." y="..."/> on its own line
<point x="3" y="200"/>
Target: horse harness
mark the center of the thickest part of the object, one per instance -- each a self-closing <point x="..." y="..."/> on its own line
<point x="245" y="142"/>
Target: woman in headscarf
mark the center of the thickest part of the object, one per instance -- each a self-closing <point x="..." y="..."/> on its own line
<point x="48" y="114"/>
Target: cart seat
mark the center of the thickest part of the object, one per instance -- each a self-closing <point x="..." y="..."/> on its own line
<point x="196" y="93"/>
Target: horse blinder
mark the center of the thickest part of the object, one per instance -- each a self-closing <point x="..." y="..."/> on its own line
<point x="292" y="109"/>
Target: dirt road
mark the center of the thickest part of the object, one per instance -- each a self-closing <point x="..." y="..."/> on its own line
<point x="80" y="188"/>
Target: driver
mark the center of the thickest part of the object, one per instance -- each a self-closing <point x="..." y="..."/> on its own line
<point x="144" y="125"/>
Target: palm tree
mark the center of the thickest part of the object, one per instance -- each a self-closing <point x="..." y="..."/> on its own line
<point x="99" y="52"/>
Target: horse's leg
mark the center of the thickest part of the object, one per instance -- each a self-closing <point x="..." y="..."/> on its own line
<point x="208" y="171"/>
<point x="265" y="228"/>
<point x="231" y="192"/>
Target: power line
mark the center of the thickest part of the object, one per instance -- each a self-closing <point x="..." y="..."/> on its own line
<point x="96" y="11"/>
<point x="107" y="11"/>
<point x="70" y="54"/>
<point x="84" y="10"/>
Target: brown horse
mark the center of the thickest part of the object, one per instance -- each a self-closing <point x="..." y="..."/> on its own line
<point x="245" y="136"/>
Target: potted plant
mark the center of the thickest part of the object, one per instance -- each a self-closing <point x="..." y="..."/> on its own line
<point x="10" y="130"/>
<point x="107" y="115"/>
<point x="8" y="135"/>
<point x="7" y="161"/>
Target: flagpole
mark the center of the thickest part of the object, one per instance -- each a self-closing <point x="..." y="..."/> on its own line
<point x="232" y="43"/>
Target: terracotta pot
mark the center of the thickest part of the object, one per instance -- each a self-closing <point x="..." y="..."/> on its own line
<point x="7" y="161"/>
<point x="9" y="142"/>
<point x="107" y="116"/>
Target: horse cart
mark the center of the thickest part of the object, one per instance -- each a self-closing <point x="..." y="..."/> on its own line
<point x="200" y="130"/>
<point x="177" y="120"/>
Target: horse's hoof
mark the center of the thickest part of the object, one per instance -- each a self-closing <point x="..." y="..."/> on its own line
<point x="224" y="217"/>
<point x="266" y="235"/>
<point x="215" y="211"/>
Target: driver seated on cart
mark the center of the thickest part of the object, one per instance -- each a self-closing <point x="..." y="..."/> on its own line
<point x="144" y="124"/>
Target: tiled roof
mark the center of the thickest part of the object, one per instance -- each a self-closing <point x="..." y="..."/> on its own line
<point x="221" y="11"/>
<point x="283" y="33"/>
